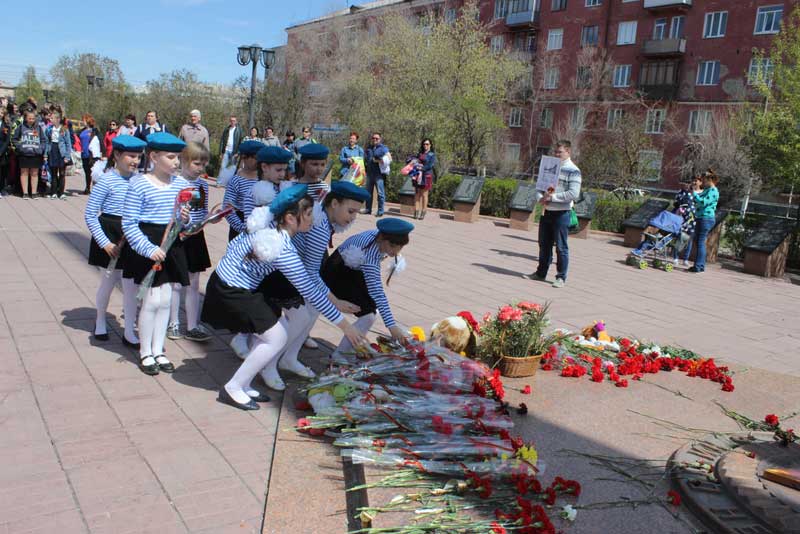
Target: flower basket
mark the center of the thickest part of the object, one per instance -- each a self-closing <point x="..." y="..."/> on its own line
<point x="518" y="367"/>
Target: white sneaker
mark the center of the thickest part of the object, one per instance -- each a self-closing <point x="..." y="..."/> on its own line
<point x="309" y="343"/>
<point x="675" y="262"/>
<point x="240" y="346"/>
<point x="63" y="197"/>
<point x="685" y="263"/>
<point x="174" y="332"/>
<point x="297" y="368"/>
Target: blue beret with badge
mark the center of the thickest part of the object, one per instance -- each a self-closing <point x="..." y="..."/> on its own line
<point x="394" y="226"/>
<point x="314" y="151"/>
<point x="164" y="142"/>
<point x="128" y="143"/>
<point x="345" y="189"/>
<point x="274" y="154"/>
<point x="250" y="148"/>
<point x="287" y="198"/>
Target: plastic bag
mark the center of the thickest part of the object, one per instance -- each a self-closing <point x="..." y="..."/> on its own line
<point x="385" y="163"/>
<point x="357" y="172"/>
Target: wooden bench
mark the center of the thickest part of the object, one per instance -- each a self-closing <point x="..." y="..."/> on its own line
<point x="406" y="195"/>
<point x="767" y="247"/>
<point x="635" y="224"/>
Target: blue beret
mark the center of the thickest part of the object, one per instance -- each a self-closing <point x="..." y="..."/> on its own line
<point x="128" y="143"/>
<point x="165" y="142"/>
<point x="345" y="189"/>
<point x="274" y="154"/>
<point x="286" y="198"/>
<point x="250" y="148"/>
<point x="391" y="225"/>
<point x="314" y="151"/>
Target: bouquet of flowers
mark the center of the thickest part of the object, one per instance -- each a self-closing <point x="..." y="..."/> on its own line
<point x="215" y="214"/>
<point x="171" y="233"/>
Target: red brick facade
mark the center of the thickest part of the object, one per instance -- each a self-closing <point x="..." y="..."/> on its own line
<point x="697" y="63"/>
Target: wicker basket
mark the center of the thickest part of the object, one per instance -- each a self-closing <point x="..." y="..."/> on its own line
<point x="518" y="367"/>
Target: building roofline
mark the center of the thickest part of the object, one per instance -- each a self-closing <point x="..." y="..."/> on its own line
<point x="352" y="10"/>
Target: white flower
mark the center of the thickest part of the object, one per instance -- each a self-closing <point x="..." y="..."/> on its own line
<point x="259" y="219"/>
<point x="267" y="244"/>
<point x="399" y="264"/>
<point x="568" y="512"/>
<point x="353" y="257"/>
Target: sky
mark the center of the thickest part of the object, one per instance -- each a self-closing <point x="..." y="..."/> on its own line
<point x="149" y="37"/>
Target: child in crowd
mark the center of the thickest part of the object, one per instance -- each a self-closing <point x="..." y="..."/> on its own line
<point x="30" y="147"/>
<point x="239" y="188"/>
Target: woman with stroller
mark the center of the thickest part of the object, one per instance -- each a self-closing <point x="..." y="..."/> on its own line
<point x="705" y="203"/>
<point x="684" y="206"/>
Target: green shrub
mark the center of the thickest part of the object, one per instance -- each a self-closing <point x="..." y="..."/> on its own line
<point x="611" y="211"/>
<point x="496" y="196"/>
<point x="735" y="230"/>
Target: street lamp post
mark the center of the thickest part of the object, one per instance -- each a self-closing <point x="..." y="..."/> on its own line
<point x="254" y="54"/>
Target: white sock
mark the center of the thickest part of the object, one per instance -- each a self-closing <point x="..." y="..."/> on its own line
<point x="265" y="351"/>
<point x="303" y="319"/>
<point x="362" y="324"/>
<point x="129" y="304"/>
<point x="192" y="301"/>
<point x="154" y="319"/>
<point x="104" y="290"/>
<point x="175" y="305"/>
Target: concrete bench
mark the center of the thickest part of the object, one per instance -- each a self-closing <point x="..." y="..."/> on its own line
<point x="767" y="247"/>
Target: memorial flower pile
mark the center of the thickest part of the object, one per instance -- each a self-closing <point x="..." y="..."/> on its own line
<point x="437" y="421"/>
<point x="516" y="331"/>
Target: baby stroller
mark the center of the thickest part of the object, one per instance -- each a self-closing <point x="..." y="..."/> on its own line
<point x="662" y="234"/>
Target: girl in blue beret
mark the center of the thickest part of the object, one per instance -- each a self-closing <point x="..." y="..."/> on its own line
<point x="239" y="188"/>
<point x="149" y="206"/>
<point x="335" y="214"/>
<point x="311" y="170"/>
<point x="353" y="274"/>
<point x="233" y="302"/>
<point x="103" y="216"/>
<point x="194" y="159"/>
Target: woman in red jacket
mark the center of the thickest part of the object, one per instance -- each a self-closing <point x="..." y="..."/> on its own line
<point x="111" y="133"/>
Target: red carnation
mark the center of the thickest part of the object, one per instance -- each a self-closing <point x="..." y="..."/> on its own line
<point x="550" y="496"/>
<point x="673" y="498"/>
<point x="473" y="324"/>
<point x="302" y="405"/>
<point x="547" y="366"/>
<point x="526" y="390"/>
<point x="772" y="420"/>
<point x="497" y="528"/>
<point x="622" y="383"/>
<point x="185" y="195"/>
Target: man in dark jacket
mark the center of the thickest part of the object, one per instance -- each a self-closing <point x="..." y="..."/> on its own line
<point x="229" y="144"/>
<point x="373" y="157"/>
<point x="150" y="125"/>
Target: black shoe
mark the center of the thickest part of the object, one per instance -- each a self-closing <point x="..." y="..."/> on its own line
<point x="101" y="337"/>
<point x="422" y="215"/>
<point x="694" y="269"/>
<point x="262" y="397"/>
<point x="151" y="369"/>
<point x="225" y="398"/>
<point x="166" y="367"/>
<point x="131" y="344"/>
<point x="379" y="214"/>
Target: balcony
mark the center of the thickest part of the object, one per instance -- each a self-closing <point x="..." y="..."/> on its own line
<point x="665" y="91"/>
<point x="528" y="17"/>
<point x="660" y="80"/>
<point x="667" y="4"/>
<point x="664" y="47"/>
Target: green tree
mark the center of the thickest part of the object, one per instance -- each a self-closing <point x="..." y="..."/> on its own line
<point x="774" y="139"/>
<point x="30" y="86"/>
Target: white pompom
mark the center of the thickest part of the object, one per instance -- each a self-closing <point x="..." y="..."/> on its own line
<point x="286" y="184"/>
<point x="399" y="264"/>
<point x="267" y="244"/>
<point x="259" y="219"/>
<point x="98" y="169"/>
<point x="353" y="257"/>
<point x="318" y="214"/>
<point x="263" y="193"/>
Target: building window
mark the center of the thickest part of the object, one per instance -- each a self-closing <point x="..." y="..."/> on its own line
<point x="521" y="6"/>
<point x="614" y="117"/>
<point x="551" y="78"/>
<point x="497" y="43"/>
<point x="708" y="73"/>
<point x="558" y="5"/>
<point x="650" y="165"/>
<point x="515" y="118"/>
<point x="555" y="39"/>
<point x="768" y="19"/>
<point x="594" y="3"/>
<point x="715" y="25"/>
<point x="590" y="35"/>
<point x="583" y="80"/>
<point x="626" y="34"/>
<point x="500" y="9"/>
<point x="660" y="30"/>
<point x="525" y="42"/>
<point x="761" y="69"/>
<point x="655" y="121"/>
<point x="676" y="27"/>
<point x="546" y="118"/>
<point x="512" y="151"/>
<point x="656" y="73"/>
<point x="699" y="122"/>
<point x="450" y="15"/>
<point x="577" y="119"/>
<point x="622" y="75"/>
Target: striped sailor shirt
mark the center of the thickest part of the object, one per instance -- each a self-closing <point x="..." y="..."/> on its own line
<point x="199" y="214"/>
<point x="312" y="245"/>
<point x="239" y="192"/>
<point x="108" y="197"/>
<point x="371" y="268"/>
<point x="148" y="203"/>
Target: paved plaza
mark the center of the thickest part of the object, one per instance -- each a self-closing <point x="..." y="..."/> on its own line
<point x="90" y="444"/>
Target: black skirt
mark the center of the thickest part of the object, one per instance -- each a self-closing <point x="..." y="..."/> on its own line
<point x="173" y="270"/>
<point x="231" y="232"/>
<point x="347" y="284"/>
<point x="196" y="250"/>
<point x="278" y="290"/>
<point x="112" y="227"/>
<point x="236" y="309"/>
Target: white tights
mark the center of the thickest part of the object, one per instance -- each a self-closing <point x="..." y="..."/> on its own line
<point x="154" y="319"/>
<point x="192" y="302"/>
<point x="301" y="320"/>
<point x="266" y="348"/>
<point x="362" y="324"/>
<point x="129" y="290"/>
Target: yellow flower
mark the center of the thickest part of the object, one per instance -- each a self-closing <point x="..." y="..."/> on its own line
<point x="417" y="332"/>
<point x="528" y="453"/>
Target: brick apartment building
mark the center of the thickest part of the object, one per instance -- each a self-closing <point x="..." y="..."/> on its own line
<point x="690" y="58"/>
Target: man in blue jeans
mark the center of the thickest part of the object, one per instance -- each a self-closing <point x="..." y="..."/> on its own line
<point x="375" y="178"/>
<point x="554" y="224"/>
